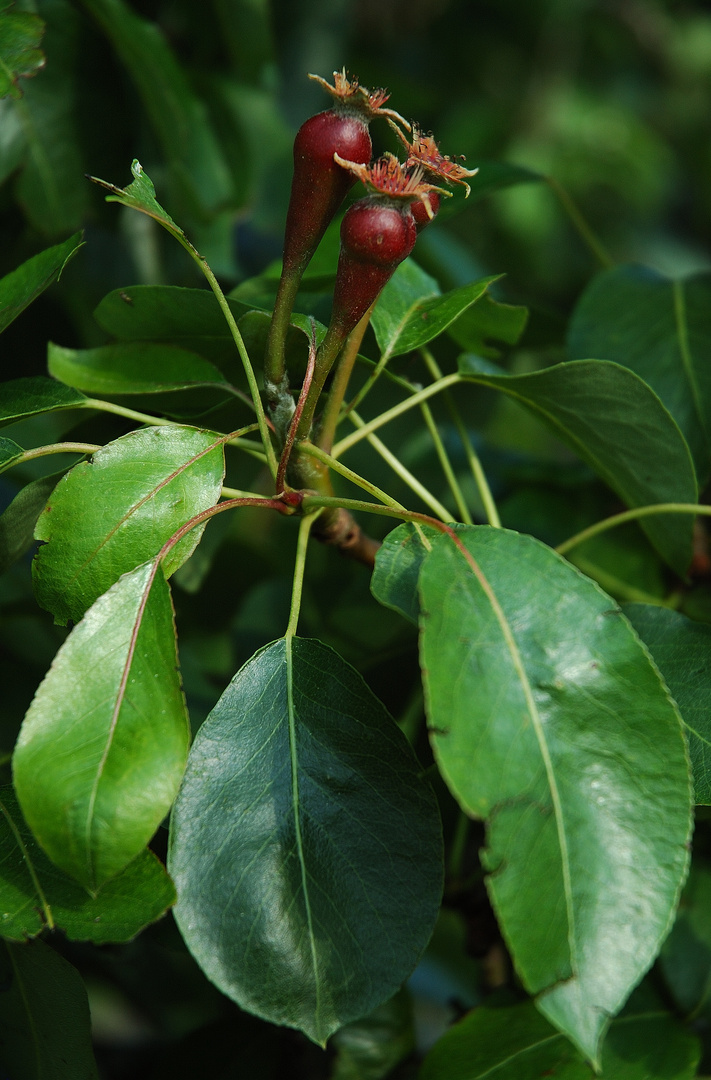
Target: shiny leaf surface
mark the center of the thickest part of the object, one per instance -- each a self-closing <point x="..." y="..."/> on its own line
<point x="109" y="738"/>
<point x="27" y="397"/>
<point x="558" y="731"/>
<point x="615" y="423"/>
<point x="131" y="497"/>
<point x="141" y="368"/>
<point x="305" y="843"/>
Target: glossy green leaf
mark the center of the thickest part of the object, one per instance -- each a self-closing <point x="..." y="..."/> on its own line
<point x="305" y="843"/>
<point x="10" y="452"/>
<point x="20" y="55"/>
<point x="45" y="1027"/>
<point x="515" y="1043"/>
<point x="685" y="959"/>
<point x="131" y="497"/>
<point x="615" y="423"/>
<point x="19" y="288"/>
<point x="27" y="397"/>
<point x="681" y="650"/>
<point x="51" y="188"/>
<point x="370" y="1048"/>
<point x="398" y="562"/>
<point x="107" y="736"/>
<point x="34" y="894"/>
<point x="17" y="523"/>
<point x="488" y="320"/>
<point x="660" y="329"/>
<point x="140" y="368"/>
<point x="178" y="116"/>
<point x="558" y="731"/>
<point x="412" y="311"/>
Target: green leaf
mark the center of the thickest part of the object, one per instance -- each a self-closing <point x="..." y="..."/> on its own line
<point x="141" y="368"/>
<point x="558" y="731"/>
<point x="681" y="649"/>
<point x="130" y="497"/>
<point x="178" y="117"/>
<point x="45" y="1027"/>
<point x="17" y="523"/>
<point x="20" y="55"/>
<point x="615" y="423"/>
<point x="411" y="310"/>
<point x="685" y="959"/>
<point x="305" y="843"/>
<point x="398" y="562"/>
<point x="34" y="894"/>
<point x="107" y="733"/>
<point x="660" y="329"/>
<point x="141" y="195"/>
<point x="486" y="320"/>
<point x="370" y="1048"/>
<point x="10" y="452"/>
<point x="515" y="1043"/>
<point x="27" y="397"/>
<point x="19" y="288"/>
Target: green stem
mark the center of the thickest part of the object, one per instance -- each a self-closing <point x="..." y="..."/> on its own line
<point x="235" y="493"/>
<point x="130" y="414"/>
<point x="274" y="367"/>
<point x="492" y="514"/>
<point x="51" y="448"/>
<point x="341" y="378"/>
<point x="313" y="502"/>
<point x="299" y="565"/>
<point x="446" y="464"/>
<point x="397" y="410"/>
<point x="580" y="223"/>
<point x="631" y="515"/>
<point x="343" y="470"/>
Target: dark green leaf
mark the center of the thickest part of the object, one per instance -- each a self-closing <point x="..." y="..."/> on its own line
<point x="107" y="733"/>
<point x="20" y="55"/>
<point x="10" y="452"/>
<point x="611" y="418"/>
<point x="488" y="320"/>
<point x="411" y="310"/>
<point x="516" y="1043"/>
<point x="558" y="731"/>
<point x="397" y="569"/>
<point x="19" y="288"/>
<point x="34" y="894"/>
<point x="17" y="523"/>
<point x="370" y="1048"/>
<point x="27" y="397"/>
<point x="45" y="1027"/>
<point x="131" y="496"/>
<point x="141" y="368"/>
<point x="685" y="959"/>
<point x="681" y="649"/>
<point x="661" y="330"/>
<point x="305" y="843"/>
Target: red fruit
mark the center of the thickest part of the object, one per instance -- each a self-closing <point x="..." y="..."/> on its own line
<point x="419" y="210"/>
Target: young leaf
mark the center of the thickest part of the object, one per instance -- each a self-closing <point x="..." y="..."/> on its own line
<point x="103" y="745"/>
<point x="20" y="55"/>
<point x="305" y="843"/>
<point x="515" y="1043"/>
<point x="34" y="894"/>
<point x="611" y="418"/>
<point x="549" y="721"/>
<point x="681" y="650"/>
<point x="27" y="397"/>
<point x="411" y="310"/>
<point x="140" y="368"/>
<point x="130" y="497"/>
<point x="19" y="288"/>
<point x="660" y="329"/>
<point x="45" y="1027"/>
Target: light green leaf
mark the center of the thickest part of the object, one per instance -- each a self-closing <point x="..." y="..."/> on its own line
<point x="305" y="843"/>
<point x="131" y="368"/>
<point x="17" y="523"/>
<point x="660" y="329"/>
<point x="515" y="1043"/>
<point x="558" y="731"/>
<point x="412" y="311"/>
<point x="34" y="894"/>
<point x="20" y="55"/>
<point x="27" y="397"/>
<point x="107" y="733"/>
<point x="45" y="1027"/>
<point x="141" y="195"/>
<point x="681" y="649"/>
<point x="130" y="497"/>
<point x="19" y="288"/>
<point x="488" y="320"/>
<point x="615" y="423"/>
